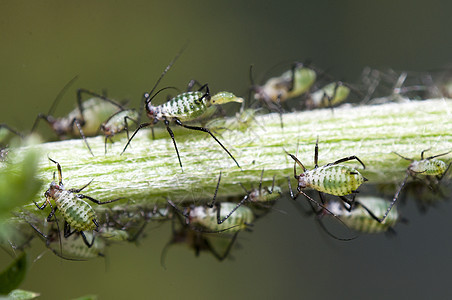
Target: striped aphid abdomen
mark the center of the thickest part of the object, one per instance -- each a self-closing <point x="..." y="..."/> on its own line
<point x="186" y="106"/>
<point x="428" y="167"/>
<point x="360" y="220"/>
<point x="76" y="212"/>
<point x="207" y="217"/>
<point x="338" y="180"/>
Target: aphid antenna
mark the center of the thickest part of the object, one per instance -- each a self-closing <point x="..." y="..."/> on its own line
<point x="296" y="161"/>
<point x="167" y="69"/>
<point x="406" y="158"/>
<point x="434" y="156"/>
<point x="55" y="102"/>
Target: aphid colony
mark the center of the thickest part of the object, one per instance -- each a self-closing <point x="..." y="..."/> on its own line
<point x="86" y="233"/>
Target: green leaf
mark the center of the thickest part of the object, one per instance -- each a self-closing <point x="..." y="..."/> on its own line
<point x="13" y="276"/>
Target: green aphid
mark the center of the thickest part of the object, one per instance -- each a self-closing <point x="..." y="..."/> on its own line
<point x="77" y="213"/>
<point x="364" y="217"/>
<point x="333" y="178"/>
<point x="328" y="96"/>
<point x="262" y="195"/>
<point x="185" y="108"/>
<point x="84" y="120"/>
<point x="434" y="170"/>
<point x="292" y="83"/>
<point x="117" y="123"/>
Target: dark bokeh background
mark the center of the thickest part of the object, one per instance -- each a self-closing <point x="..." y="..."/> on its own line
<point x="123" y="46"/>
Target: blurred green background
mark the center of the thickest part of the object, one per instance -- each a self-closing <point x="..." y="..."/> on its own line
<point x="123" y="46"/>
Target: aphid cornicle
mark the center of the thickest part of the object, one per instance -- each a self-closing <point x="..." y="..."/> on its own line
<point x="364" y="215"/>
<point x="333" y="178"/>
<point x="77" y="213"/>
<point x="118" y="123"/>
<point x="84" y="120"/>
<point x="185" y="108"/>
<point x="430" y="167"/>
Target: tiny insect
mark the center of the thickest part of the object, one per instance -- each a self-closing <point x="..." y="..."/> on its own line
<point x="333" y="178"/>
<point x="185" y="107"/>
<point x="77" y="213"/>
<point x="84" y="120"/>
<point x="432" y="168"/>
<point x="328" y="96"/>
<point x="292" y="83"/>
<point x="363" y="216"/>
<point x="218" y="216"/>
<point x="265" y="194"/>
<point x="73" y="247"/>
<point x="118" y="123"/>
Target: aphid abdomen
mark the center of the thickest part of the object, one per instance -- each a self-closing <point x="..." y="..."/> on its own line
<point x="207" y="217"/>
<point x="76" y="212"/>
<point x="360" y="220"/>
<point x="185" y="107"/>
<point x="338" y="180"/>
<point x="75" y="248"/>
<point x="428" y="167"/>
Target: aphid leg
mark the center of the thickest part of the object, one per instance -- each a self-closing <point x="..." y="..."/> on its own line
<point x="422" y="153"/>
<point x="290" y="190"/>
<point x="126" y="127"/>
<point x="349" y="202"/>
<point x="316" y="154"/>
<point x="183" y="213"/>
<point x="174" y="142"/>
<point x="3" y="125"/>
<point x="60" y="174"/>
<point x="406" y="158"/>
<point x="88" y="244"/>
<point x="85" y="91"/>
<point x="178" y="122"/>
<point x="143" y="125"/>
<point x="437" y="155"/>
<point x="79" y="124"/>
<point x="322" y="198"/>
<point x="346" y="159"/>
<point x="219" y="220"/>
<point x="49" y="119"/>
<point x="80" y="189"/>
<point x="226" y="252"/>
<point x="395" y="198"/>
<point x="273" y="184"/>
<point x="215" y="194"/>
<point x="81" y="196"/>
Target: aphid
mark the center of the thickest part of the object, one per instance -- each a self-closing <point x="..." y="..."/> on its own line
<point x="183" y="108"/>
<point x="265" y="194"/>
<point x="73" y="247"/>
<point x="218" y="216"/>
<point x="331" y="94"/>
<point x="364" y="215"/>
<point x="84" y="120"/>
<point x="332" y="178"/>
<point x="77" y="213"/>
<point x="429" y="167"/>
<point x="292" y="83"/>
<point x="118" y="123"/>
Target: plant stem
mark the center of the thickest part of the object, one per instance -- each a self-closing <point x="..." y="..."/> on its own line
<point x="149" y="170"/>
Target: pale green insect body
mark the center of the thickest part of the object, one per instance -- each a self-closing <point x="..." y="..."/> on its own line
<point x="290" y="84"/>
<point x="265" y="194"/>
<point x="207" y="217"/>
<point x="331" y="94"/>
<point x="95" y="111"/>
<point x="75" y="248"/>
<point x="76" y="212"/>
<point x="190" y="106"/>
<point x="427" y="167"/>
<point x="359" y="218"/>
<point x="338" y="180"/>
<point x="117" y="122"/>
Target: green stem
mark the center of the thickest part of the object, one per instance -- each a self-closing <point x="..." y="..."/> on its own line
<point x="149" y="170"/>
